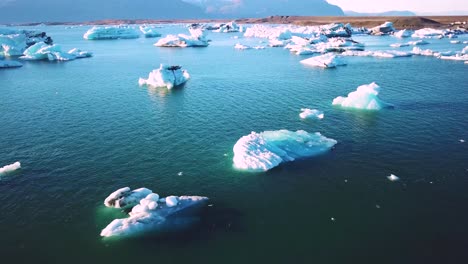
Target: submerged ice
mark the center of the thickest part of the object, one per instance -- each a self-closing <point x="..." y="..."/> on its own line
<point x="150" y="213"/>
<point x="266" y="150"/>
<point x="365" y="98"/>
<point x="165" y="76"/>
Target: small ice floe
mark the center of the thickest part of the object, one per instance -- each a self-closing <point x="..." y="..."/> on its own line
<point x="149" y="213"/>
<point x="418" y="43"/>
<point x="180" y="173"/>
<point x="111" y="32"/>
<point x="332" y="219"/>
<point x="429" y="33"/>
<point x="465" y="50"/>
<point x="402" y="34"/>
<point x="311" y="114"/>
<point x="399" y="45"/>
<point x="456" y="57"/>
<point x="377" y="206"/>
<point x="266" y="150"/>
<point x="365" y="97"/>
<point x="324" y="61"/>
<point x="455" y="42"/>
<point x="230" y="27"/>
<point x="197" y="38"/>
<point x="462" y="141"/>
<point x="10" y="168"/>
<point x="149" y="31"/>
<point x="165" y="76"/>
<point x="242" y="47"/>
<point x="393" y="178"/>
<point x="43" y="51"/>
<point x="384" y="29"/>
<point x="10" y="64"/>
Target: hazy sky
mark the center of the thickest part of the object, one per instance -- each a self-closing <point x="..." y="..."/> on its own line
<point x="411" y="5"/>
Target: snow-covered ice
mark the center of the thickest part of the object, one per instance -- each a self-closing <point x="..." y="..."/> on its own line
<point x="10" y="168"/>
<point x="311" y="114"/>
<point x="266" y="150"/>
<point x="43" y="51"/>
<point x="324" y="61"/>
<point x="111" y="32"/>
<point x="165" y="76"/>
<point x="365" y="98"/>
<point x="152" y="214"/>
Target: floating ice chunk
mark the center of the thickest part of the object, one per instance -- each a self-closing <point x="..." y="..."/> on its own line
<point x="385" y="28"/>
<point x="465" y="50"/>
<point x="149" y="32"/>
<point x="151" y="214"/>
<point x="311" y="114"/>
<point x="197" y="38"/>
<point x="393" y="178"/>
<point x="455" y="42"/>
<point x="10" y="64"/>
<point x="457" y="57"/>
<point x="429" y="32"/>
<point x="266" y="150"/>
<point x="43" y="51"/>
<point x="242" y="47"/>
<point x="10" y="168"/>
<point x="277" y="43"/>
<point x="365" y="98"/>
<point x="403" y="34"/>
<point x="229" y="28"/>
<point x="111" y="32"/>
<point x="421" y="52"/>
<point x="325" y="61"/>
<point x="378" y="54"/>
<point x="124" y="198"/>
<point x="418" y="43"/>
<point x="80" y="54"/>
<point x="165" y="76"/>
<point x="399" y="45"/>
<point x="462" y="141"/>
<point x="14" y="42"/>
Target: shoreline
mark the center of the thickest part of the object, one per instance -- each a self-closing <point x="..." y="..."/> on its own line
<point x="400" y="22"/>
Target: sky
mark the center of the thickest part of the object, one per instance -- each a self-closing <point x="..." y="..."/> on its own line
<point x="418" y="6"/>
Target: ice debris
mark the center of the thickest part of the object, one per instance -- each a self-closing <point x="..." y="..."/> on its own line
<point x="229" y="28"/>
<point x="10" y="168"/>
<point x="43" y="51"/>
<point x="266" y="150"/>
<point x="149" y="213"/>
<point x="365" y="98"/>
<point x="393" y="178"/>
<point x="111" y="32"/>
<point x="165" y="76"/>
<point x="311" y="114"/>
<point x="197" y="38"/>
<point x="324" y="61"/>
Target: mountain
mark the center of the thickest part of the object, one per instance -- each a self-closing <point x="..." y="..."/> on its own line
<point x="388" y="13"/>
<point x="264" y="8"/>
<point x="24" y="11"/>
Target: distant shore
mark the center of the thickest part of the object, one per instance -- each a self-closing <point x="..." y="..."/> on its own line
<point x="400" y="22"/>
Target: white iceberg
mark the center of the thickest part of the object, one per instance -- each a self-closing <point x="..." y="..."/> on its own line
<point x="385" y="28"/>
<point x="10" y="64"/>
<point x="455" y="42"/>
<point x="165" y="76"/>
<point x="197" y="38"/>
<point x="242" y="47"/>
<point x="402" y="34"/>
<point x="324" y="61"/>
<point x="418" y="43"/>
<point x="429" y="33"/>
<point x="14" y="42"/>
<point x="266" y="150"/>
<point x="456" y="57"/>
<point x="393" y="178"/>
<point x="111" y="32"/>
<point x="399" y="45"/>
<point x="149" y="32"/>
<point x="43" y="51"/>
<point x="229" y="28"/>
<point x="10" y="168"/>
<point x="311" y="114"/>
<point x="151" y="214"/>
<point x="365" y="98"/>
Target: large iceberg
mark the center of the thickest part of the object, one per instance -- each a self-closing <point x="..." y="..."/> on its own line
<point x="324" y="61"/>
<point x="166" y="76"/>
<point x="10" y="168"/>
<point x="111" y="32"/>
<point x="307" y="113"/>
<point x="14" y="42"/>
<point x="197" y="38"/>
<point x="149" y="31"/>
<point x="43" y="51"/>
<point x="365" y="98"/>
<point x="151" y="214"/>
<point x="9" y="64"/>
<point x="266" y="150"/>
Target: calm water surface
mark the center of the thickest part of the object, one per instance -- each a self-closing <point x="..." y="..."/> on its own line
<point x="83" y="129"/>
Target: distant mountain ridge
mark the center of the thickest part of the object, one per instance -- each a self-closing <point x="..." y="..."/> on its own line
<point x="28" y="11"/>
<point x="388" y="13"/>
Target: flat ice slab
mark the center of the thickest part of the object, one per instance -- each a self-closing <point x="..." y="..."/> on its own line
<point x="324" y="61"/>
<point x="266" y="150"/>
<point x="165" y="76"/>
<point x="150" y="213"/>
<point x="111" y="32"/>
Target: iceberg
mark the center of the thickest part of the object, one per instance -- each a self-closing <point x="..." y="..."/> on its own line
<point x="111" y="32"/>
<point x="151" y="214"/>
<point x="393" y="178"/>
<point x="10" y="64"/>
<point x="311" y="114"/>
<point x="429" y="33"/>
<point x="266" y="150"/>
<point x="324" y="61"/>
<point x="418" y="43"/>
<point x="242" y="47"/>
<point x="165" y="76"/>
<point x="378" y="54"/>
<point x="197" y="38"/>
<point x="149" y="32"/>
<point x="399" y="45"/>
<point x="229" y="28"/>
<point x="456" y="57"/>
<point x="402" y="34"/>
<point x="43" y="51"/>
<point x="14" y="42"/>
<point x="10" y="168"/>
<point x="365" y="98"/>
<point x="384" y="29"/>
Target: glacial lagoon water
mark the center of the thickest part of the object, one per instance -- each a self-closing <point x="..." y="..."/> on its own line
<point x="84" y="128"/>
